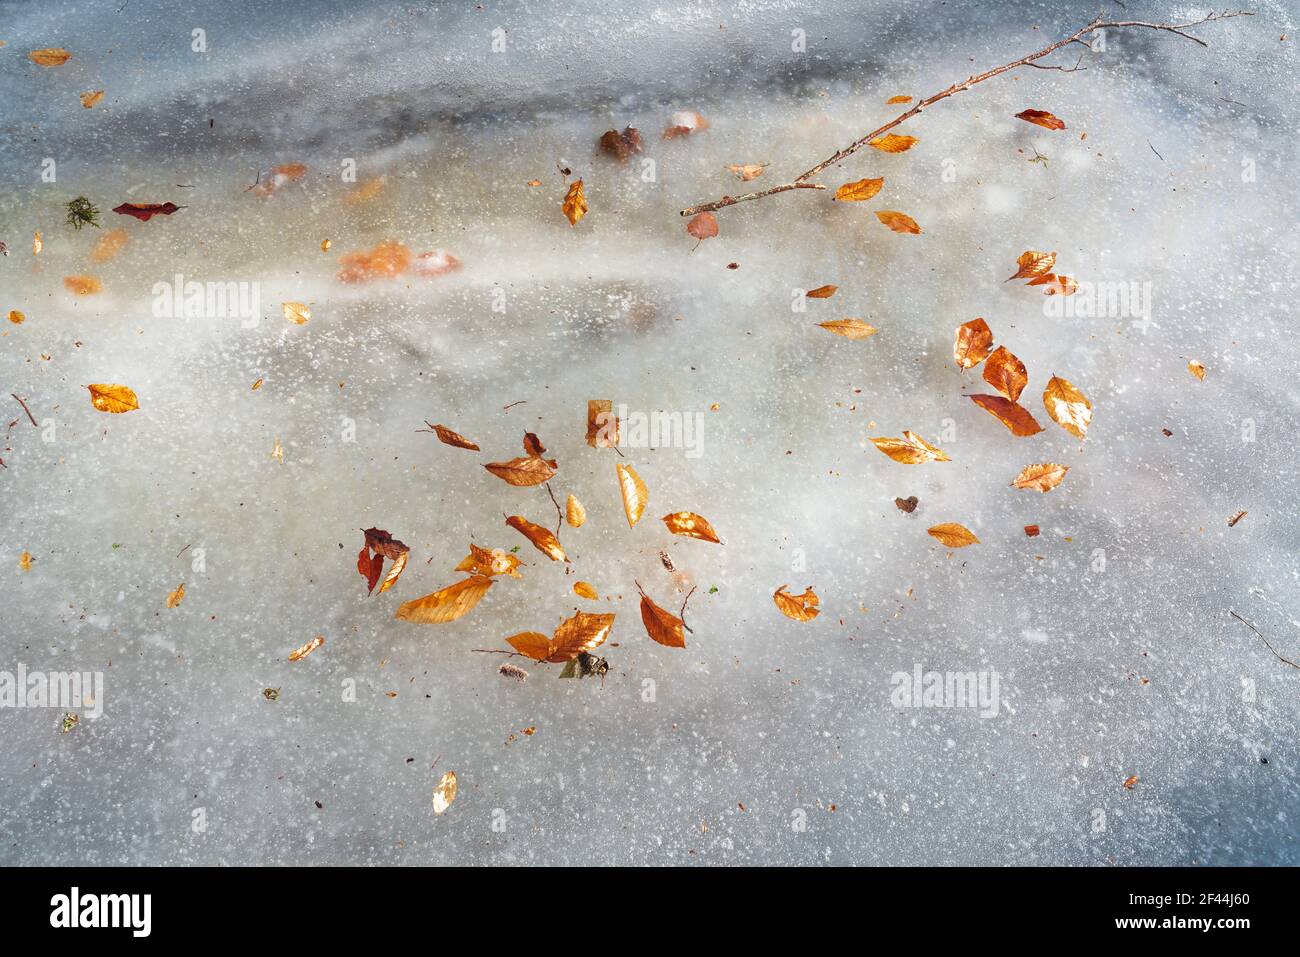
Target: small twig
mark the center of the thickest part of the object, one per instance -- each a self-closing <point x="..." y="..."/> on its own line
<point x="1276" y="655"/>
<point x="1156" y="151"/>
<point x="513" y="404"/>
<point x="27" y="410"/>
<point x="682" y="615"/>
<point x="559" y="512"/>
<point x="498" y="651"/>
<point x="182" y="551"/>
<point x="1064" y="69"/>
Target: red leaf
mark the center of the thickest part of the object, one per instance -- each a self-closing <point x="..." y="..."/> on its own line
<point x="370" y="568"/>
<point x="146" y="211"/>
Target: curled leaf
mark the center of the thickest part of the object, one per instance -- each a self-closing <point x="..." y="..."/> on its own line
<point x="1067" y="406"/>
<point x="1015" y="417"/>
<point x="574" y="206"/>
<point x="447" y="437"/>
<point x="1054" y="285"/>
<point x="953" y="535"/>
<point x="635" y="494"/>
<point x="973" y="344"/>
<point x="692" y="526"/>
<point x="445" y="792"/>
<point x="302" y="651"/>
<point x="797" y="607"/>
<point x="1031" y="264"/>
<point x="898" y="222"/>
<point x="661" y="625"/>
<point x="1042" y="477"/>
<point x="621" y="145"/>
<point x="1041" y="118"/>
<point x="860" y="190"/>
<point x="490" y="562"/>
<point x="1196" y="369"/>
<point x="112" y="398"/>
<point x="543" y="540"/>
<point x="684" y="123"/>
<point x="1006" y="373"/>
<point x="574" y="513"/>
<point x="893" y="143"/>
<point x="446" y="604"/>
<point x="911" y="449"/>
<point x="849" y="328"/>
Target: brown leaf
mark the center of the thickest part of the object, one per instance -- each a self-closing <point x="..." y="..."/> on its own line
<point x="798" y="607"/>
<point x="953" y="535"/>
<point x="533" y="445"/>
<point x="83" y="285"/>
<point x="1042" y="477"/>
<point x="662" y="626"/>
<point x="1015" y="417"/>
<point x="973" y="344"/>
<point x="898" y="222"/>
<point x="1055" y="285"/>
<point x="1041" y="118"/>
<point x="578" y="634"/>
<point x="526" y="471"/>
<point x="621" y="145"/>
<point x="911" y="449"/>
<point x="860" y="190"/>
<point x="684" y="123"/>
<point x="821" y="292"/>
<point x="1032" y="264"/>
<point x="602" y="424"/>
<point x="898" y="99"/>
<point x="112" y="398"/>
<point x="574" y="206"/>
<point x="908" y="504"/>
<point x="542" y="539"/>
<point x="447" y="437"/>
<point x="574" y="513"/>
<point x="1196" y="369"/>
<point x="849" y="328"/>
<point x="489" y="562"/>
<point x="1237" y="518"/>
<point x="635" y="494"/>
<point x="174" y="598"/>
<point x="302" y="651"/>
<point x="25" y="561"/>
<point x="748" y="172"/>
<point x="1129" y="781"/>
<point x="692" y="526"/>
<point x="586" y="590"/>
<point x="1067" y="406"/>
<point x="1006" y="373"/>
<point x="88" y="100"/>
<point x="703" y="226"/>
<point x="446" y="604"/>
<point x="893" y="143"/>
<point x="50" y="57"/>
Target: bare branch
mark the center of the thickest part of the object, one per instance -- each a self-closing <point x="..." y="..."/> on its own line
<point x="1279" y="657"/>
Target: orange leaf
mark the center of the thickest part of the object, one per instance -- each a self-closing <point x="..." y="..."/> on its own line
<point x="898" y="222"/>
<point x="893" y="143"/>
<point x="112" y="398"/>
<point x="1068" y="407"/>
<point x="953" y="535"/>
<point x="385" y="261"/>
<point x="911" y="449"/>
<point x="542" y="539"/>
<point x="446" y="604"/>
<point x="50" y="57"/>
<point x="582" y="632"/>
<point x="1032" y="264"/>
<point x="1056" y="285"/>
<point x="1042" y="477"/>
<point x="662" y="626"/>
<point x="1041" y="118"/>
<point x="821" y="292"/>
<point x="532" y="644"/>
<point x="489" y="562"/>
<point x="748" y="172"/>
<point x="973" y="343"/>
<point x="109" y="245"/>
<point x="703" y="226"/>
<point x="862" y="189"/>
<point x="83" y="285"/>
<point x="574" y="513"/>
<point x="586" y="590"/>
<point x="1015" y="417"/>
<point x="88" y="100"/>
<point x="1006" y="373"/>
<point x="302" y="651"/>
<point x="849" y="328"/>
<point x="602" y="424"/>
<point x="527" y="471"/>
<point x="574" y="206"/>
<point x="174" y="598"/>
<point x="1196" y="369"/>
<point x="447" y="437"/>
<point x="692" y="526"/>
<point x="898" y="99"/>
<point x="797" y="607"/>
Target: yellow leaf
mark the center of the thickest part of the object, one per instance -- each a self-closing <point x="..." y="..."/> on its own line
<point x="574" y="206"/>
<point x="446" y="604"/>
<point x="83" y="285"/>
<point x="25" y="561"/>
<point x="277" y="451"/>
<point x="16" y="317"/>
<point x="857" y="192"/>
<point x="112" y="398"/>
<point x="1042" y="477"/>
<point x="798" y="607"/>
<point x="973" y="343"/>
<point x="1033" y="264"/>
<point x="88" y="100"/>
<point x="542" y="539"/>
<point x="1196" y="369"/>
<point x="527" y="471"/>
<point x="911" y="449"/>
<point x="821" y="292"/>
<point x="898" y="222"/>
<point x="1067" y="406"/>
<point x="954" y="535"/>
<point x="302" y="651"/>
<point x="692" y="526"/>
<point x="849" y="328"/>
<point x="635" y="494"/>
<point x="662" y="626"/>
<point x="1006" y="373"/>
<point x="586" y="590"/>
<point x="174" y="598"/>
<point x="574" y="513"/>
<point x="445" y="792"/>
<point x="394" y="571"/>
<point x="50" y="57"/>
<point x="296" y="312"/>
<point x="325" y="245"/>
<point x="893" y="143"/>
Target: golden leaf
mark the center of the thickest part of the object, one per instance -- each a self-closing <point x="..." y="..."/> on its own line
<point x="109" y="245"/>
<point x="83" y="285"/>
<point x="302" y="651"/>
<point x="821" y="292"/>
<point x="1067" y="406"/>
<point x="749" y="171"/>
<point x="112" y="398"/>
<point x="16" y="317"/>
<point x="447" y="437"/>
<point x="296" y="312"/>
<point x="1015" y="417"/>
<point x="1042" y="477"/>
<point x="586" y="590"/>
<point x="602" y="424"/>
<point x="574" y="513"/>
<point x="662" y="626"/>
<point x="973" y="344"/>
<point x="798" y="607"/>
<point x="1041" y="118"/>
<point x="88" y="100"/>
<point x="532" y="644"/>
<point x="911" y="449"/>
<point x="25" y="561"/>
<point x="582" y="632"/>
<point x="635" y="494"/>
<point x="692" y="526"/>
<point x="50" y="57"/>
<point x="542" y="539"/>
<point x="1006" y="373"/>
<point x="445" y="792"/>
<point x="898" y="222"/>
<point x="174" y="598"/>
<point x="1033" y="264"/>
<point x="394" y="571"/>
<point x="574" y="206"/>
<point x="857" y="192"/>
<point x="893" y="143"/>
<point x="446" y="604"/>
<point x="898" y="99"/>
<point x="1055" y="285"/>
<point x="37" y="243"/>
<point x="325" y="245"/>
<point x="849" y="328"/>
<point x="527" y="471"/>
<point x="953" y="535"/>
<point x="257" y="385"/>
<point x="1196" y="369"/>
<point x="489" y="562"/>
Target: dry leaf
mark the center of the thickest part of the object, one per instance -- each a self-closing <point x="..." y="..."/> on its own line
<point x="684" y="123"/>
<point x="174" y="598"/>
<point x="849" y="328"/>
<point x="898" y="222"/>
<point x="1196" y="369"/>
<point x="953" y="535"/>
<point x="662" y="626"/>
<point x="692" y="526"/>
<point x="907" y="505"/>
<point x="384" y="261"/>
<point x="911" y="449"/>
<point x="821" y="292"/>
<point x="302" y="651"/>
<point x="325" y="245"/>
<point x="1032" y="531"/>
<point x="446" y="604"/>
<point x="1054" y="285"/>
<point x="16" y="317"/>
<point x="586" y="590"/>
<point x="447" y="437"/>
<point x="83" y="285"/>
<point x="574" y="636"/>
<point x="88" y="100"/>
<point x="635" y="494"/>
<point x="748" y="172"/>
<point x="257" y="385"/>
<point x="898" y="99"/>
<point x="1042" y="477"/>
<point x="277" y="453"/>
<point x="542" y="539"/>
<point x="1006" y="373"/>
<point x="621" y="145"/>
<point x="146" y="211"/>
<point x="798" y="607"/>
<point x="574" y="206"/>
<point x="703" y="226"/>
<point x="444" y="793"/>
<point x="489" y="562"/>
<point x="1041" y="118"/>
<point x="25" y="561"/>
<point x="1067" y="406"/>
<point x="1033" y="264"/>
<point x="50" y="57"/>
<point x="893" y="143"/>
<point x="602" y="424"/>
<point x="857" y="192"/>
<point x="1015" y="417"/>
<point x="1231" y="522"/>
<point x="296" y="312"/>
<point x="109" y="245"/>
<point x="112" y="398"/>
<point x="574" y="513"/>
<point x="1129" y="781"/>
<point x="395" y="571"/>
<point x="973" y="344"/>
<point x="527" y="471"/>
<point x="37" y="243"/>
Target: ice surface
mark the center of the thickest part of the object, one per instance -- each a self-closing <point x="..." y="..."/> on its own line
<point x="793" y="721"/>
